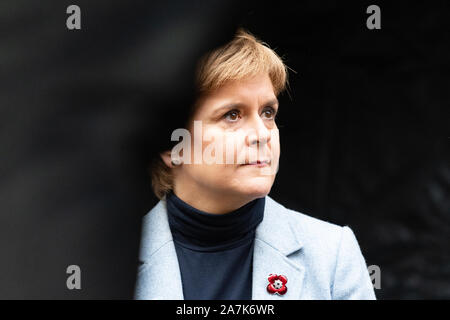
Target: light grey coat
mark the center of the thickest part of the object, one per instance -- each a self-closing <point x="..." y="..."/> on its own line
<point x="320" y="260"/>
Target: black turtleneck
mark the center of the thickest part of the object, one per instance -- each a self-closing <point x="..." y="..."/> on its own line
<point x="215" y="251"/>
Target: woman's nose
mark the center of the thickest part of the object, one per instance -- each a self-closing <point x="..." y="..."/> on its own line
<point x="257" y="133"/>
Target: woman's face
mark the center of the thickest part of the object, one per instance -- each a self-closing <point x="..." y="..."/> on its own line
<point x="240" y="117"/>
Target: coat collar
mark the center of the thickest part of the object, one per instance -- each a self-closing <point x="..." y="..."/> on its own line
<point x="275" y="241"/>
<point x="159" y="275"/>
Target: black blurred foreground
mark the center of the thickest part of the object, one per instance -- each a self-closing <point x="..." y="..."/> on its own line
<point x="365" y="132"/>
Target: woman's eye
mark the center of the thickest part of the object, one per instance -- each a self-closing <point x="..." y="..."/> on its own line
<point x="232" y="115"/>
<point x="269" y="113"/>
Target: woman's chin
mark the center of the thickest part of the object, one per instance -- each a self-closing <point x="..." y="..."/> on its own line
<point x="256" y="189"/>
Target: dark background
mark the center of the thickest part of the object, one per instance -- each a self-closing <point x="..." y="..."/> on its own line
<point x="364" y="131"/>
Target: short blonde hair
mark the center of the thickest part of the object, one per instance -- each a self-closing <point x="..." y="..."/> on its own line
<point x="243" y="57"/>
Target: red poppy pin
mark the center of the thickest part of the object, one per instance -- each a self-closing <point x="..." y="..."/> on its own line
<point x="277" y="284"/>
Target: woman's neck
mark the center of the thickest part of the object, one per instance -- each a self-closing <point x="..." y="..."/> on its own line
<point x="211" y="201"/>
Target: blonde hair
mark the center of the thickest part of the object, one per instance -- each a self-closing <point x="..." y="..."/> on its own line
<point x="243" y="57"/>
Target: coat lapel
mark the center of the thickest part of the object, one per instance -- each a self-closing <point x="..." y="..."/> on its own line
<point x="275" y="241"/>
<point x="159" y="273"/>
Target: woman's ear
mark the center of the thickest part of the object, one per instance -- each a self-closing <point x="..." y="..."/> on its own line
<point x="166" y="157"/>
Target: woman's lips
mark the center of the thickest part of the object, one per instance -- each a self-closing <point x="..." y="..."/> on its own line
<point x="258" y="164"/>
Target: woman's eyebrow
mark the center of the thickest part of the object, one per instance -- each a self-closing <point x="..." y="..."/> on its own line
<point x="271" y="102"/>
<point x="229" y="106"/>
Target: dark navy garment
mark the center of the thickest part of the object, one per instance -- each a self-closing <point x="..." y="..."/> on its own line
<point x="215" y="251"/>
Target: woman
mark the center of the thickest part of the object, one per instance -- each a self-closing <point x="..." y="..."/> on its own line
<point x="216" y="234"/>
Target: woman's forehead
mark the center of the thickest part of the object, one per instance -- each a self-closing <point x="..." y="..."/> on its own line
<point x="249" y="86"/>
<point x="239" y="93"/>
